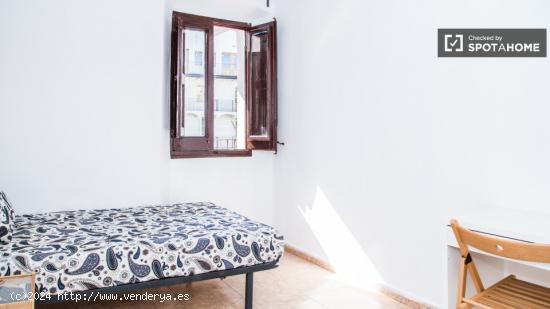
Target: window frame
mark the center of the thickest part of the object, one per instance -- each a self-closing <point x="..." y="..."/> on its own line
<point x="202" y="147"/>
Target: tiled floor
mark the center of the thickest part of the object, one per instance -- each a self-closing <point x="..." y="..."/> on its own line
<point x="295" y="284"/>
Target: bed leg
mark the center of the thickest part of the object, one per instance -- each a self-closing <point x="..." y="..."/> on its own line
<point x="248" y="292"/>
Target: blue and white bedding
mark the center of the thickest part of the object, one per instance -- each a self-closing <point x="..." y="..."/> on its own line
<point x="88" y="249"/>
<point x="6" y="220"/>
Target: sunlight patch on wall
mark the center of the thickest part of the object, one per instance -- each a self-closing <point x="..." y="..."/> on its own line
<point x="350" y="262"/>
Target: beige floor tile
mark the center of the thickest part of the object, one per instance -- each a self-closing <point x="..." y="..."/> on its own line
<point x="295" y="284"/>
<point x="296" y="303"/>
<point x="351" y="298"/>
<point x="208" y="294"/>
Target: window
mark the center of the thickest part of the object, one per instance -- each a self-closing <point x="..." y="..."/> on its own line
<point x="229" y="63"/>
<point x="224" y="106"/>
<point x="198" y="58"/>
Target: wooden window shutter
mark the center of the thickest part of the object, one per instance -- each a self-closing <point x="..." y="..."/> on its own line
<point x="262" y="93"/>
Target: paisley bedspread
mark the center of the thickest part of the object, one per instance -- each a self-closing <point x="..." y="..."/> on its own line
<point x="88" y="249"/>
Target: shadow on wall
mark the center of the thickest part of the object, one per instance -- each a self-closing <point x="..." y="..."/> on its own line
<point x="351" y="263"/>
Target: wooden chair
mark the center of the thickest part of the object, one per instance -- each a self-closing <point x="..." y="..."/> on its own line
<point x="510" y="292"/>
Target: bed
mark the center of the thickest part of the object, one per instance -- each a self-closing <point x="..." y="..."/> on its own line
<point x="128" y="249"/>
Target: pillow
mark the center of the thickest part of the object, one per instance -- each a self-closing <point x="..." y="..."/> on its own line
<point x="6" y="220"/>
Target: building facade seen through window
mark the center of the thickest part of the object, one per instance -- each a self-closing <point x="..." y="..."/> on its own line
<point x="229" y="87"/>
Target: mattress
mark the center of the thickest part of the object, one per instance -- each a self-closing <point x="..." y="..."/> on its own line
<point x="88" y="249"/>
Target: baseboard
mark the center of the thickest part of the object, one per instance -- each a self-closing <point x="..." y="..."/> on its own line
<point x="308" y="257"/>
<point x="400" y="297"/>
<point x="405" y="298"/>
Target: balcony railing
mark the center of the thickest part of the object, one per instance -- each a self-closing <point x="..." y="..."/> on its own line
<point x="220" y="105"/>
<point x="220" y="69"/>
<point x="193" y="104"/>
<point x="225" y="143"/>
<point x="223" y="105"/>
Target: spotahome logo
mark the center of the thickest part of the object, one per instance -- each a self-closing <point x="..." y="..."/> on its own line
<point x="491" y="42"/>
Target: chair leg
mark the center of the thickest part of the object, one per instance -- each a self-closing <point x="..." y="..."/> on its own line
<point x="249" y="290"/>
<point x="461" y="284"/>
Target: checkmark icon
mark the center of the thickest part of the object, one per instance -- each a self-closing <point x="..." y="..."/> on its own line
<point x="453" y="43"/>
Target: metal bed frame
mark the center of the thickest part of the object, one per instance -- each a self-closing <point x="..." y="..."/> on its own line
<point x="220" y="274"/>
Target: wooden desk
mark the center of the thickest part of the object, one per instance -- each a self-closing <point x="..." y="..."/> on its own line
<point x="514" y="224"/>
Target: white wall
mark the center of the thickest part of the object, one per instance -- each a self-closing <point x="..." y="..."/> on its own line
<point x="243" y="184"/>
<point x="385" y="141"/>
<point x="84" y="110"/>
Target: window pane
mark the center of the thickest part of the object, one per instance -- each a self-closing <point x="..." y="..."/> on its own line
<point x="194" y="83"/>
<point x="198" y="58"/>
<point x="229" y="89"/>
<point x="258" y="66"/>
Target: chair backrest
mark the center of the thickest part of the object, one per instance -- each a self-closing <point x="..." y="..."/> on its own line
<point x="517" y="250"/>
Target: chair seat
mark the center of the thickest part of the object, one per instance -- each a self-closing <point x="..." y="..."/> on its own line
<point x="512" y="293"/>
